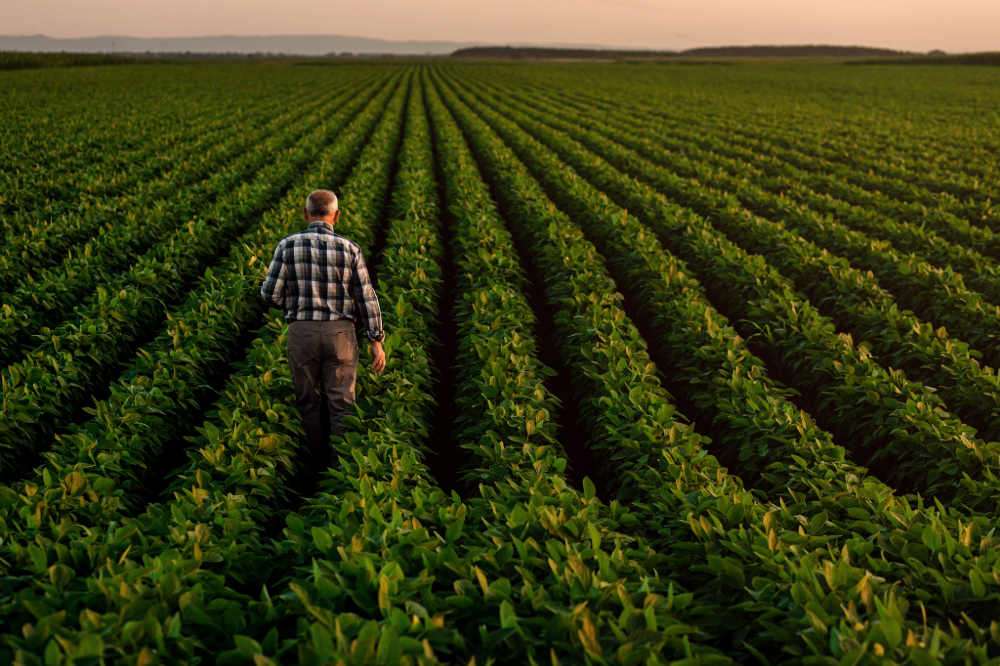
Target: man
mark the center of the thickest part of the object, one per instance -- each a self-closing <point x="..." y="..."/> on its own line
<point x="316" y="276"/>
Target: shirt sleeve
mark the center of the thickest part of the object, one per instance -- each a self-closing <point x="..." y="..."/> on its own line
<point x="273" y="288"/>
<point x="367" y="300"/>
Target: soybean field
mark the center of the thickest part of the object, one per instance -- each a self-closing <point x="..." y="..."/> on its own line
<point x="686" y="365"/>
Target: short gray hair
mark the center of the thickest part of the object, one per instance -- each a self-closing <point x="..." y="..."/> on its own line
<point x="321" y="203"/>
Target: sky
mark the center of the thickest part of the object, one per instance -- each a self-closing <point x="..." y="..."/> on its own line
<point x="913" y="25"/>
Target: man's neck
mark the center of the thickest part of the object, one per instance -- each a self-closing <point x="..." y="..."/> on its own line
<point x="319" y="219"/>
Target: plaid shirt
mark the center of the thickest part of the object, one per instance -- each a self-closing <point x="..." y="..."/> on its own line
<point x="316" y="275"/>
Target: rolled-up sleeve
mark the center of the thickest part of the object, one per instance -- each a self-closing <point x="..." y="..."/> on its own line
<point x="367" y="300"/>
<point x="273" y="289"/>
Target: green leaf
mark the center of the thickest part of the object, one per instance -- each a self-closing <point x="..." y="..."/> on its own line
<point x="247" y="646"/>
<point x="454" y="531"/>
<point x="519" y="515"/>
<point x="931" y="538"/>
<point x="295" y="524"/>
<point x="322" y="539"/>
<point x="976" y="583"/>
<point x="890" y="622"/>
<point x="53" y="656"/>
<point x="38" y="558"/>
<point x="389" y="647"/>
<point x="595" y="536"/>
<point x="508" y="618"/>
<point x="463" y="603"/>
<point x="91" y="645"/>
<point x="60" y="575"/>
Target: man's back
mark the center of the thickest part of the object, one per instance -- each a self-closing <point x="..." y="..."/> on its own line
<point x="317" y="274"/>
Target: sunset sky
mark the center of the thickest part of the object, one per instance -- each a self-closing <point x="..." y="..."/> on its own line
<point x="916" y="25"/>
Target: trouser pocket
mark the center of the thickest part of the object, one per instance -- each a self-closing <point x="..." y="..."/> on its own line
<point x="340" y="368"/>
<point x="343" y="343"/>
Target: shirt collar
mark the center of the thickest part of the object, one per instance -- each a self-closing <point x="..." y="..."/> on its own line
<point x="321" y="226"/>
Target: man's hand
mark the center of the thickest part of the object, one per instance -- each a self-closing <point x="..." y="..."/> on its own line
<point x="378" y="357"/>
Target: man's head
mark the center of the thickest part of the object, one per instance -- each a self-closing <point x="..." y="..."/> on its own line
<point x="321" y="206"/>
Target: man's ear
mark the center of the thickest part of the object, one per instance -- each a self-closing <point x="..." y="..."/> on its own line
<point x="336" y="215"/>
<point x="305" y="214"/>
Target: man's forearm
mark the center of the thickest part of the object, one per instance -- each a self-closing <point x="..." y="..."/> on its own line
<point x="277" y="303"/>
<point x="371" y="315"/>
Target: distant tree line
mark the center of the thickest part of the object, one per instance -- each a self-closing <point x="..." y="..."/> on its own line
<point x="19" y="60"/>
<point x="940" y="58"/>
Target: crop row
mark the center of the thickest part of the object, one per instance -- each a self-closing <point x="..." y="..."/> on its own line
<point x="860" y="186"/>
<point x="967" y="384"/>
<point x="441" y="576"/>
<point x="899" y="200"/>
<point x="938" y="295"/>
<point x="352" y="543"/>
<point x="529" y="547"/>
<point x="920" y="153"/>
<point x="854" y="298"/>
<point x="44" y="297"/>
<point x="181" y="563"/>
<point x="840" y="368"/>
<point x="163" y="201"/>
<point x="370" y="498"/>
<point x="37" y="134"/>
<point x="938" y="236"/>
<point x="755" y="535"/>
<point x="48" y="385"/>
<point x="98" y="150"/>
<point x="812" y="476"/>
<point x="888" y="151"/>
<point x="576" y="586"/>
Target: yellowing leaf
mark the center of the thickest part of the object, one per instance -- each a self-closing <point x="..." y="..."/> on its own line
<point x="75" y="482"/>
<point x="202" y="533"/>
<point x="588" y="635"/>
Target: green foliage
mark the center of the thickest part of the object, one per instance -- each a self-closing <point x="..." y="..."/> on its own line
<point x="210" y="534"/>
<point x="741" y="506"/>
<point x="809" y="317"/>
<point x="42" y="296"/>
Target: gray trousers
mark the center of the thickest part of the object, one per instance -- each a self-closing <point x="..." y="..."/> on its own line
<point x="323" y="358"/>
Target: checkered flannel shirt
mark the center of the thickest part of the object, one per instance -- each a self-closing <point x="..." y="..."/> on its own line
<point x="316" y="275"/>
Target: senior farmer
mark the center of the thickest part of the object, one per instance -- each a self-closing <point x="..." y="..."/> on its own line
<point x="316" y="276"/>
